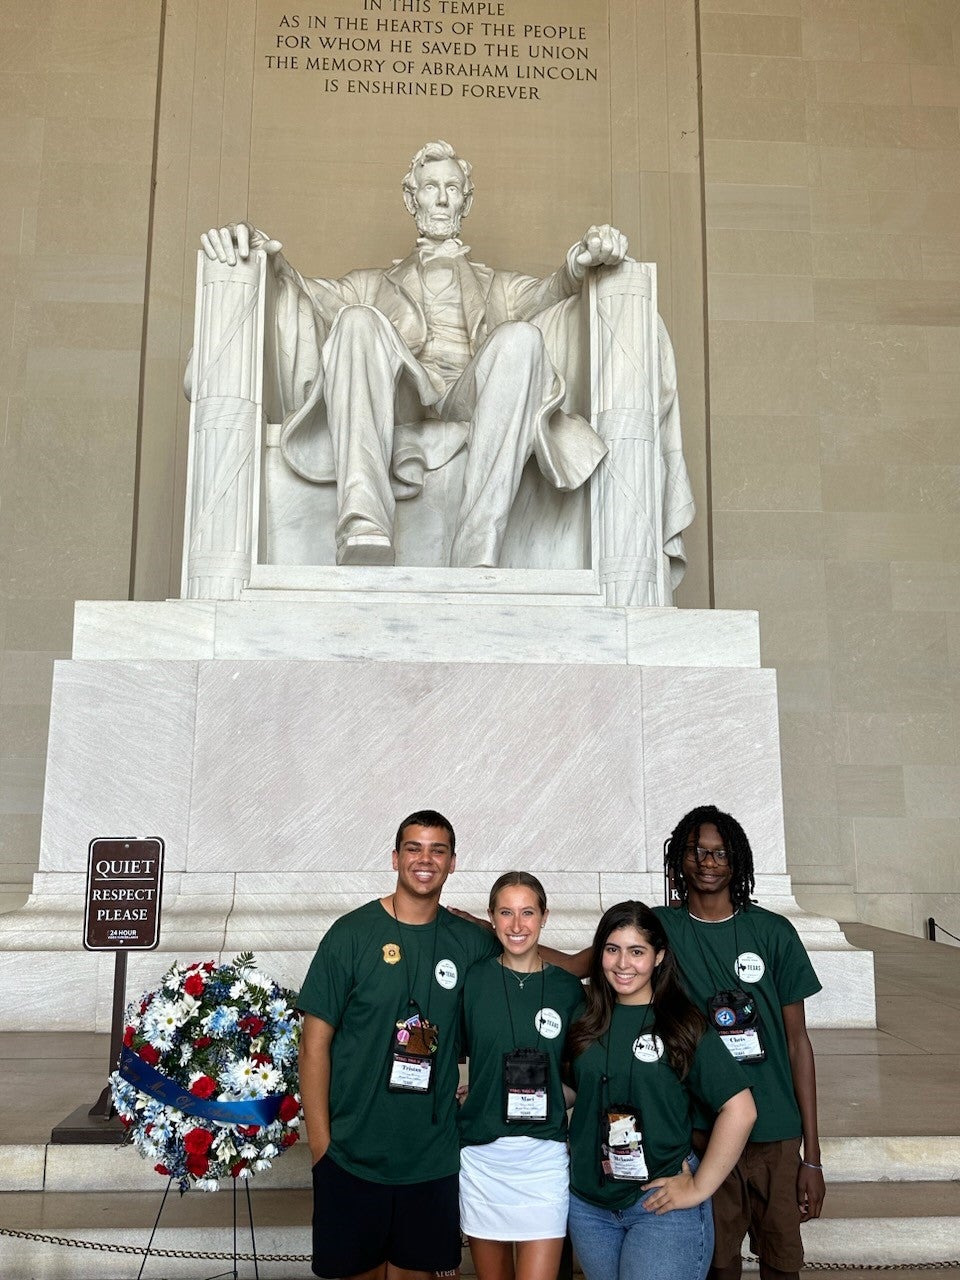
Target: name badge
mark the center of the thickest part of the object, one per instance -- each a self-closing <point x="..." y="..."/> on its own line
<point x="526" y="1080"/>
<point x="736" y="1018"/>
<point x="744" y="1045"/>
<point x="621" y="1145"/>
<point x="413" y="1047"/>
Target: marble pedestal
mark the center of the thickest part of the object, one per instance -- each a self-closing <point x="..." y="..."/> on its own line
<point x="273" y="743"/>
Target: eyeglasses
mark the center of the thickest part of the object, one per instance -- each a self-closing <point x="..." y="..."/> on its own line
<point x="720" y="856"/>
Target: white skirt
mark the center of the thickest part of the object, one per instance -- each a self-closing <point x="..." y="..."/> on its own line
<point x="515" y="1189"/>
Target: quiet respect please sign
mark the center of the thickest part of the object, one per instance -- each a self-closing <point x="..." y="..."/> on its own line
<point x="124" y="889"/>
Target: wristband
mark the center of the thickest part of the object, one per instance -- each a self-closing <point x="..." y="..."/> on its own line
<point x="807" y="1165"/>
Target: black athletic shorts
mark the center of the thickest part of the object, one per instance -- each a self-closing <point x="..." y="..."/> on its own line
<point x="357" y="1225"/>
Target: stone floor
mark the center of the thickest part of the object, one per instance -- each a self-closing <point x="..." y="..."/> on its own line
<point x="875" y="1088"/>
<point x="902" y="1078"/>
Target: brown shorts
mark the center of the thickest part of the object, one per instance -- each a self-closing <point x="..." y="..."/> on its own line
<point x="759" y="1196"/>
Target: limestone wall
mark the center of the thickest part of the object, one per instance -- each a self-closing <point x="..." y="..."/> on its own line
<point x="832" y="166"/>
<point x="77" y="96"/>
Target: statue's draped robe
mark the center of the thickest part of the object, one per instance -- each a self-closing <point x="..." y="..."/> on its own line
<point x="565" y="446"/>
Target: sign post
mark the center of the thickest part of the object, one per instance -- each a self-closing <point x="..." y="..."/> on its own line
<point x="122" y="913"/>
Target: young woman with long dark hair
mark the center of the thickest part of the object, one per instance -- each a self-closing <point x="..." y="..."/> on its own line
<point x="639" y="1203"/>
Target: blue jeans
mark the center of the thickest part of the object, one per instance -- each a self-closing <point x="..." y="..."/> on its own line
<point x="632" y="1244"/>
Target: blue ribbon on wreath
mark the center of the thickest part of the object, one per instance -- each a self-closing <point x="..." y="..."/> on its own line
<point x="259" y="1111"/>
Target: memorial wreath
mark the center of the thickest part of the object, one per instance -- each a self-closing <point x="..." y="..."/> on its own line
<point x="206" y="1084"/>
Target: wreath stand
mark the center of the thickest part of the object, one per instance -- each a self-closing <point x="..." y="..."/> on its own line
<point x="232" y="1274"/>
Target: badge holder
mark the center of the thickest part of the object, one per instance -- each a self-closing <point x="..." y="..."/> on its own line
<point x="526" y="1093"/>
<point x="736" y="1018"/>
<point x="621" y="1144"/>
<point x="413" y="1048"/>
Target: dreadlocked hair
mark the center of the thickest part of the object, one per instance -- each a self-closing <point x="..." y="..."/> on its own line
<point x="678" y="1023"/>
<point x="735" y="841"/>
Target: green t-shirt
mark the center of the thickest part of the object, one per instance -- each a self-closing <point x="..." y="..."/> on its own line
<point x="662" y="1100"/>
<point x="367" y="968"/>
<point x="550" y="1001"/>
<point x="774" y="967"/>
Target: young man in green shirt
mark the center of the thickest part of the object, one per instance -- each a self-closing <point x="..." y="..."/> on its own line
<point x="747" y="969"/>
<point x="378" y="1070"/>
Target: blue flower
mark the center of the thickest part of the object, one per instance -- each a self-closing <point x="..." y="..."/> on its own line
<point x="283" y="1048"/>
<point x="222" y="1020"/>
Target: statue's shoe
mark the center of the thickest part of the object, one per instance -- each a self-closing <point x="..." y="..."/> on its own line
<point x="366" y="548"/>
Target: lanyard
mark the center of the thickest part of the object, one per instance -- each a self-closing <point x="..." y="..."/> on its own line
<point x="411" y="983"/>
<point x="709" y="968"/>
<point x="506" y="997"/>
<point x="603" y="1097"/>
<point x="605" y="1078"/>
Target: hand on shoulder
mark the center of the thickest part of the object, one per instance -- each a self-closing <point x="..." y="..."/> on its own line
<point x="466" y="915"/>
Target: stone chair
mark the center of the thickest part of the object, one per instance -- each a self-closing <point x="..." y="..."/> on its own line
<point x="250" y="517"/>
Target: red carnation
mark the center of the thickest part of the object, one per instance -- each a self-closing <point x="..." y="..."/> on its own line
<point x="261" y="1058"/>
<point x="208" y="967"/>
<point x="235" y="1168"/>
<point x="161" y="1168"/>
<point x="202" y="1042"/>
<point x="289" y="1139"/>
<point x="251" y="1024"/>
<point x="204" y="1087"/>
<point x="197" y="1142"/>
<point x="149" y="1054"/>
<point x="289" y="1107"/>
<point x="198" y="1166"/>
<point x="128" y="1036"/>
<point x="193" y="985"/>
<point x="248" y="1130"/>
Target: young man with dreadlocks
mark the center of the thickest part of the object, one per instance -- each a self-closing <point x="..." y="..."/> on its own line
<point x="747" y="969"/>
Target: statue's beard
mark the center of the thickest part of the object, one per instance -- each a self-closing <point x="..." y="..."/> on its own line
<point x="438" y="224"/>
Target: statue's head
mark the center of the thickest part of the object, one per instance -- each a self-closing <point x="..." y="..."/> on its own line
<point x="437" y="190"/>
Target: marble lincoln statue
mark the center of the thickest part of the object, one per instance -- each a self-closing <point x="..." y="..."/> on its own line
<point x="386" y="374"/>
<point x="380" y="359"/>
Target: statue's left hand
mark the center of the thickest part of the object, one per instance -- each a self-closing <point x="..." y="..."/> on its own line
<point x="601" y="246"/>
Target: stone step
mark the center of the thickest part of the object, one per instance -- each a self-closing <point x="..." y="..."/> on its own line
<point x="361" y="612"/>
<point x="884" y="1223"/>
<point x="39" y="1166"/>
<point x="864" y="1225"/>
<point x="418" y="581"/>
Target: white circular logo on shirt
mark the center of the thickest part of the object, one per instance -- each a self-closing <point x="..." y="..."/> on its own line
<point x="549" y="1023"/>
<point x="749" y="967"/>
<point x="648" y="1048"/>
<point x="446" y="974"/>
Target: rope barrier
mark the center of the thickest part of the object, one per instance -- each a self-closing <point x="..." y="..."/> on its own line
<point x="102" y="1246"/>
<point x="938" y="928"/>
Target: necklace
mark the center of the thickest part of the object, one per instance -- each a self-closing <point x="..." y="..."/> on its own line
<point x="522" y="977"/>
<point x="700" y="919"/>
